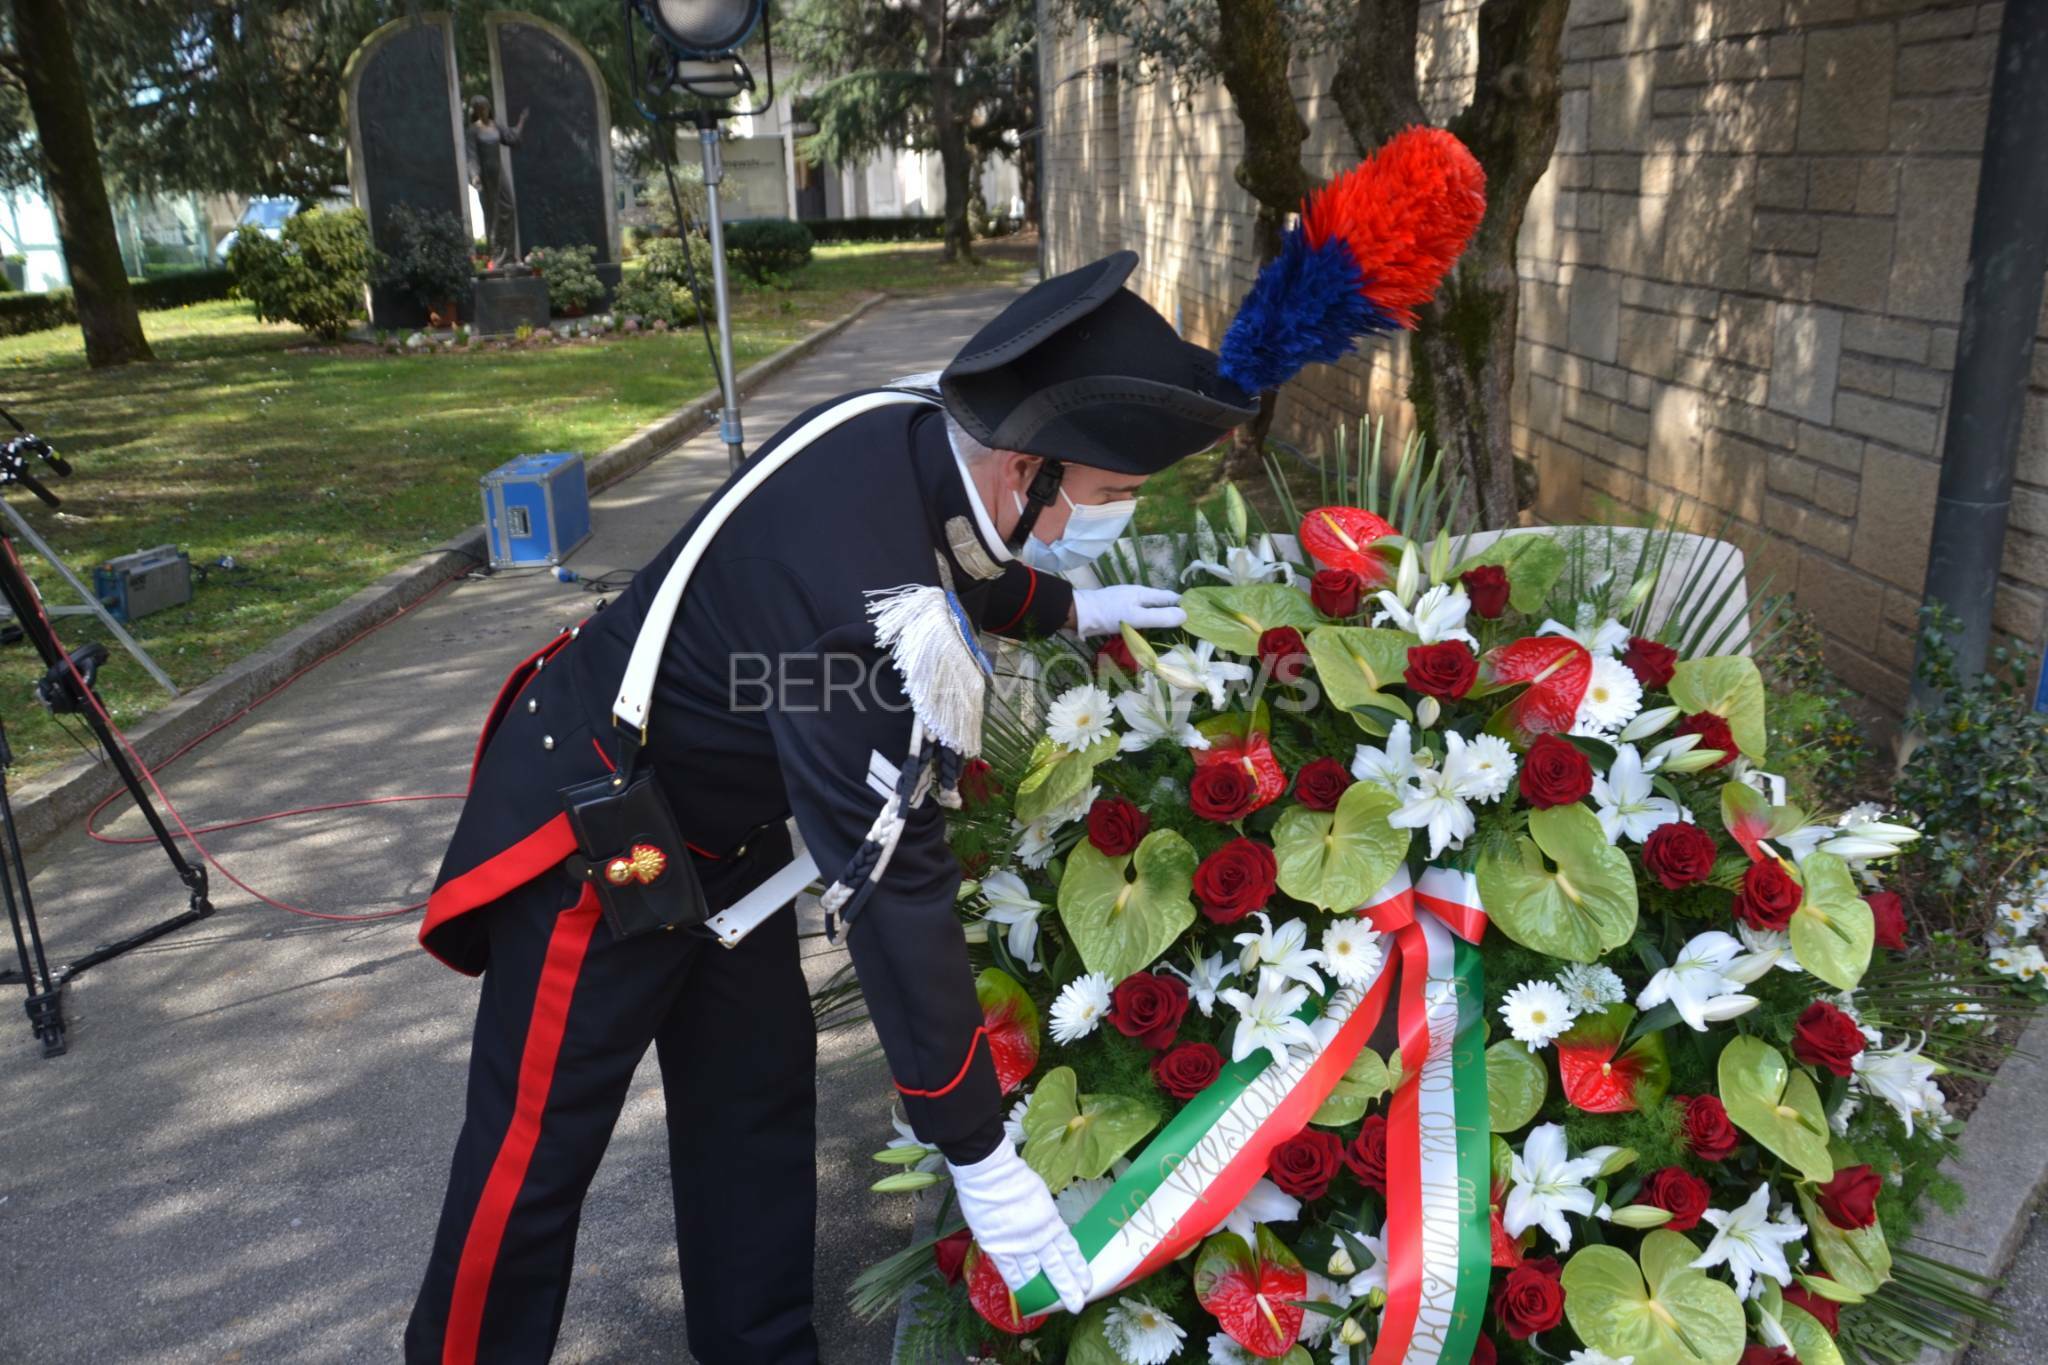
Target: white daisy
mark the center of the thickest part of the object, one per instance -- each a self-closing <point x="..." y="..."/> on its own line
<point x="1351" y="951"/>
<point x="1140" y="1333"/>
<point x="1264" y="1202"/>
<point x="1546" y="1184"/>
<point x="1156" y="713"/>
<point x="2018" y="916"/>
<point x="1078" y="1197"/>
<point x="1536" y="1013"/>
<point x="1590" y="987"/>
<point x="1322" y="1289"/>
<point x="1486" y="766"/>
<point x="1010" y="904"/>
<point x="1205" y="976"/>
<point x="1079" y="717"/>
<point x="1622" y="797"/>
<point x="1438" y="616"/>
<point x="1080" y="1007"/>
<point x="2023" y="961"/>
<point x="1750" y="1243"/>
<point x="1394" y="766"/>
<point x="1224" y="1351"/>
<point x="1266" y="1020"/>
<point x="1611" y="701"/>
<point x="1195" y="668"/>
<point x="1013" y="1122"/>
<point x="1279" y="955"/>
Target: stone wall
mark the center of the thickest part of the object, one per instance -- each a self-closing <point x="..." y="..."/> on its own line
<point x="1742" y="276"/>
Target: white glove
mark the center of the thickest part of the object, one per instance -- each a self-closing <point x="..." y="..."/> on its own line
<point x="1103" y="611"/>
<point x="1016" y="1225"/>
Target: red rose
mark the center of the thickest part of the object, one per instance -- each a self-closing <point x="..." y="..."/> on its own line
<point x="1186" y="1071"/>
<point x="1679" y="854"/>
<point x="1707" y="1130"/>
<point x="1115" y="826"/>
<point x="1652" y="663"/>
<point x="1483" y="1352"/>
<point x="1826" y="1312"/>
<point x="1527" y="1302"/>
<point x="1680" y="1192"/>
<point x="1555" y="773"/>
<point x="1114" y="653"/>
<point x="1890" y="913"/>
<point x="1850" y="1199"/>
<point x="1367" y="1153"/>
<point x="1714" y="734"/>
<point x="949" y="1252"/>
<point x="1487" y="586"/>
<point x="1826" y="1037"/>
<point x="1320" y="782"/>
<point x="1445" y="670"/>
<point x="1768" y="897"/>
<point x="1335" y="592"/>
<point x="1767" y="1355"/>
<point x="1235" y="880"/>
<point x="1149" y="1007"/>
<point x="1306" y="1163"/>
<point x="1222" y="792"/>
<point x="978" y="785"/>
<point x="1287" y="652"/>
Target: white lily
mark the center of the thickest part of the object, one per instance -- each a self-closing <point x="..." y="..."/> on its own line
<point x="1750" y="1243"/>
<point x="1266" y="1020"/>
<point x="1649" y="722"/>
<point x="1010" y="904"/>
<point x="1902" y="1078"/>
<point x="1437" y="616"/>
<point x="1035" y="842"/>
<point x="1864" y="837"/>
<point x="1156" y="712"/>
<point x="1601" y="640"/>
<point x="933" y="1158"/>
<point x="1280" y="955"/>
<point x="1195" y="668"/>
<point x="1546" y="1184"/>
<point x="1622" y="799"/>
<point x="1695" y="984"/>
<point x="1668" y="751"/>
<point x="1433" y="803"/>
<point x="1245" y="564"/>
<point x="1394" y="766"/>
<point x="1765" y="949"/>
<point x="1205" y="977"/>
<point x="1264" y="1202"/>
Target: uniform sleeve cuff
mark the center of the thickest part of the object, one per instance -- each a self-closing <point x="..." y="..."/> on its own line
<point x="962" y="1114"/>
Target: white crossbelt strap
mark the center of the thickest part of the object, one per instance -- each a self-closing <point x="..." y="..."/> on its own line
<point x="636" y="691"/>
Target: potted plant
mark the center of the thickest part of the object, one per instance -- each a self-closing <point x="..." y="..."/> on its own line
<point x="428" y="261"/>
<point x="571" y="275"/>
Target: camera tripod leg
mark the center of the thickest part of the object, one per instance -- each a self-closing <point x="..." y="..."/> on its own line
<point x="45" y="1003"/>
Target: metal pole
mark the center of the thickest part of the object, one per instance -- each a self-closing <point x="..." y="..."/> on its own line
<point x="92" y="601"/>
<point x="2001" y="308"/>
<point x="729" y="415"/>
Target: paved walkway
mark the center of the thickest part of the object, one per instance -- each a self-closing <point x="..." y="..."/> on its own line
<point x="2024" y="1298"/>
<point x="242" y="1157"/>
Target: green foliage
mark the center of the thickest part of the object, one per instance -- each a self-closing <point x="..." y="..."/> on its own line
<point x="920" y="228"/>
<point x="661" y="205"/>
<point x="21" y="314"/>
<point x="660" y="289"/>
<point x="762" y="247"/>
<point x="1974" y="774"/>
<point x="428" y="256"/>
<point x="571" y="275"/>
<point x="312" y="276"/>
<point x="1815" y="740"/>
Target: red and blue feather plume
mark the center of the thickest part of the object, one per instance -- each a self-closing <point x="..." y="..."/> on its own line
<point x="1371" y="247"/>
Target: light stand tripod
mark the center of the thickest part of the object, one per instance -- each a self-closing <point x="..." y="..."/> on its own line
<point x="66" y="687"/>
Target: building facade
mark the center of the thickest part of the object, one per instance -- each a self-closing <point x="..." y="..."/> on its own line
<point x="1741" y="278"/>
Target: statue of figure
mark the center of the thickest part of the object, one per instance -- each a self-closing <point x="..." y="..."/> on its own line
<point x="486" y="172"/>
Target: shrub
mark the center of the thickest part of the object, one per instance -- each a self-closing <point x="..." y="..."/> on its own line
<point x="653" y="297"/>
<point x="313" y="275"/>
<point x="654" y="197"/>
<point x="762" y="247"/>
<point x="24" y="313"/>
<point x="571" y="275"/>
<point x="429" y="261"/>
<point x="921" y="229"/>
<point x="665" y="258"/>
<point x="1819" y="739"/>
<point x="178" y="288"/>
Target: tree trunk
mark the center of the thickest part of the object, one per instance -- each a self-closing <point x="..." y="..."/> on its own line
<point x="78" y="195"/>
<point x="950" y="122"/>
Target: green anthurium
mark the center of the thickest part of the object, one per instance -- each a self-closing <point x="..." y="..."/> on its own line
<point x="1730" y="686"/>
<point x="1578" y="909"/>
<point x="1364" y="1081"/>
<point x="1775" y="1103"/>
<point x="1090" y="1343"/>
<point x="1533" y="562"/>
<point x="1833" y="929"/>
<point x="1056" y="776"/>
<point x="1856" y="1259"/>
<point x="1122" y="913"/>
<point x="1070" y="1136"/>
<point x="1336" y="859"/>
<point x="1661" y="1310"/>
<point x="1812" y="1343"/>
<point x="1516" y="1084"/>
<point x="1356" y="666"/>
<point x="1235" y="618"/>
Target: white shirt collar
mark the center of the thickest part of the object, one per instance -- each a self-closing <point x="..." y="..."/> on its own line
<point x="991" y="540"/>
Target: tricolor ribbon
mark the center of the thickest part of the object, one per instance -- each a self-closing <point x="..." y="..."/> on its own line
<point x="1198" y="1168"/>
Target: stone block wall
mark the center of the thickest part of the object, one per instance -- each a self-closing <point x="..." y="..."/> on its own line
<point x="1741" y="277"/>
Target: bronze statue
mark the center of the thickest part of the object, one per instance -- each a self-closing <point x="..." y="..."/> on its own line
<point x="486" y="172"/>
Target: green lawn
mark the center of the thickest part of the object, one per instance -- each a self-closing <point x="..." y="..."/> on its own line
<point x="319" y="469"/>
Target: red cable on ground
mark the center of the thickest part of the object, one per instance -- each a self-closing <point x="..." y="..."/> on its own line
<point x="92" y="699"/>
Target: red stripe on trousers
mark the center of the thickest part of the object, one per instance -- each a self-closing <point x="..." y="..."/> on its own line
<point x="508" y="1172"/>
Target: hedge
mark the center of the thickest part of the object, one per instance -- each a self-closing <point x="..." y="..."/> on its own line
<point x="876" y="229"/>
<point x="24" y="313"/>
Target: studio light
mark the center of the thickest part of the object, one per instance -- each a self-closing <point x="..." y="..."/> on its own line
<point x="703" y="29"/>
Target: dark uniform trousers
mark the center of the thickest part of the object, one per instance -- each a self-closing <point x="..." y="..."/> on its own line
<point x="566" y="1015"/>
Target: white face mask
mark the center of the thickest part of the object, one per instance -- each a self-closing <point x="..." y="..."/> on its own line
<point x="1091" y="529"/>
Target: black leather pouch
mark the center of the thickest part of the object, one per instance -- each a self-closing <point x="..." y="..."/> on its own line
<point x="631" y="850"/>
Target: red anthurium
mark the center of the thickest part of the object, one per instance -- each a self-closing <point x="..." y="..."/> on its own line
<point x="1600" y="1076"/>
<point x="1255" y="1290"/>
<point x="1342" y="537"/>
<point x="1557" y="670"/>
<point x="1253" y="752"/>
<point x="1507" y="1251"/>
<point x="992" y="1298"/>
<point x="1011" y="1019"/>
